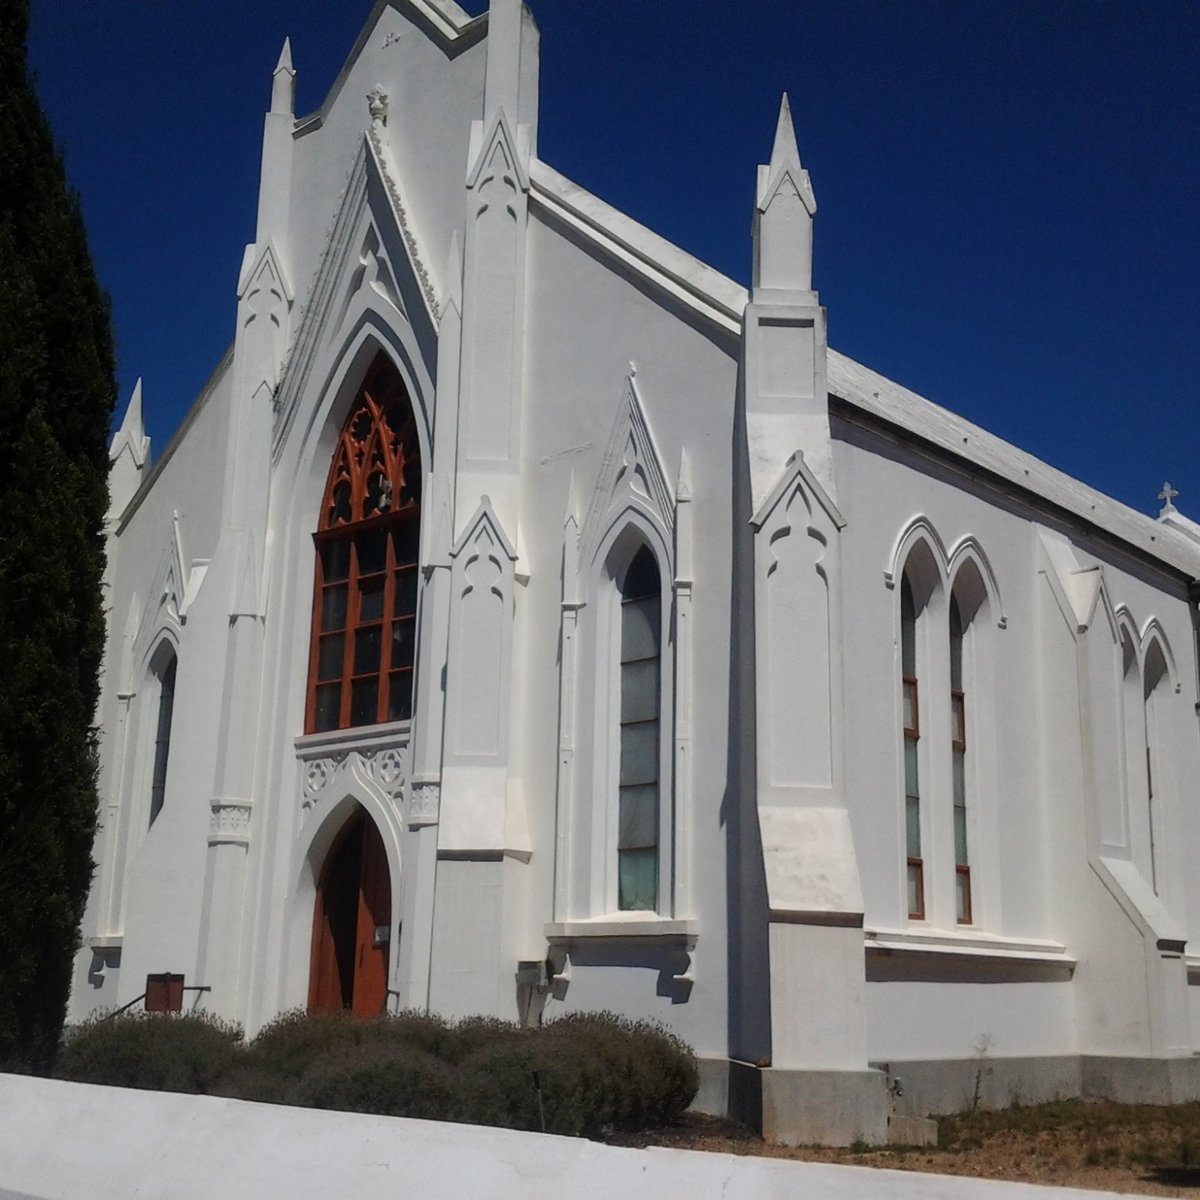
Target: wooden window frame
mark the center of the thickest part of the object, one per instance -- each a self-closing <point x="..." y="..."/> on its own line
<point x="958" y="719"/>
<point x="917" y="864"/>
<point x="912" y="733"/>
<point x="963" y="871"/>
<point x="372" y="491"/>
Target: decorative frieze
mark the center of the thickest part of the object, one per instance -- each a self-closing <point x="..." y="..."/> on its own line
<point x="229" y="821"/>
<point x="334" y="765"/>
<point x="425" y="801"/>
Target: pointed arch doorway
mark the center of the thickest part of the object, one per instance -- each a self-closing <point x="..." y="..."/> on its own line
<point x="352" y="923"/>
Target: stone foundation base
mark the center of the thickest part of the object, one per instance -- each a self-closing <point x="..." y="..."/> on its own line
<point x="804" y="1108"/>
<point x="892" y="1103"/>
<point x="938" y="1087"/>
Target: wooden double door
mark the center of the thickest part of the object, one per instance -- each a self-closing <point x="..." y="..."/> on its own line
<point x="352" y="923"/>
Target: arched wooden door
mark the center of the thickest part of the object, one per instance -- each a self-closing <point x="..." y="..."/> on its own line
<point x="352" y="923"/>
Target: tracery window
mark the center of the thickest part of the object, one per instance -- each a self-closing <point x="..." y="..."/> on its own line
<point x="365" y="604"/>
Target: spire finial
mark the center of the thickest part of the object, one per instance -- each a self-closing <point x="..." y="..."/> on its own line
<point x="283" y="81"/>
<point x="132" y="433"/>
<point x="1167" y="495"/>
<point x="785" y="163"/>
<point x="784" y="150"/>
<point x="783" y="217"/>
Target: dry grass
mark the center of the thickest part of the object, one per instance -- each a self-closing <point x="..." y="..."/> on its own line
<point x="1149" y="1149"/>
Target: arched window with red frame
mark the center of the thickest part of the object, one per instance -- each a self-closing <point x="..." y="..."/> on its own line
<point x="365" y="603"/>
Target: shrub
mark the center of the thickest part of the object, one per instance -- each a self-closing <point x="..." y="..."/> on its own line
<point x="473" y="1034"/>
<point x="650" y="1074"/>
<point x="389" y="1078"/>
<point x="290" y="1044"/>
<point x="501" y="1086"/>
<point x="172" y="1053"/>
<point x="596" y="1072"/>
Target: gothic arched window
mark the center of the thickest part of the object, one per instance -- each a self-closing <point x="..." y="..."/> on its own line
<point x="910" y="706"/>
<point x="958" y="763"/>
<point x="165" y="673"/>
<point x="640" y="742"/>
<point x="365" y="605"/>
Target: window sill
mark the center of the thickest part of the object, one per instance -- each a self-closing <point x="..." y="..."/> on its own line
<point x="352" y="739"/>
<point x="967" y="945"/>
<point x="622" y="925"/>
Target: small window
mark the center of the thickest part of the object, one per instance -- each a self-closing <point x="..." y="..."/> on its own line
<point x="162" y="736"/>
<point x="640" y="741"/>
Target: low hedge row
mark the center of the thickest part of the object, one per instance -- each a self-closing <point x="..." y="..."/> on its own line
<point x="583" y="1074"/>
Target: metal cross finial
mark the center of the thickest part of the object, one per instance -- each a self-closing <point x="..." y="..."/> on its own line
<point x="1167" y="494"/>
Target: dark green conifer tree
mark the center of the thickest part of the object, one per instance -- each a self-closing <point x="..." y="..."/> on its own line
<point x="56" y="397"/>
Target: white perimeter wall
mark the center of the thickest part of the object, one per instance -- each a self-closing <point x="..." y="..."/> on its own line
<point x="62" y="1141"/>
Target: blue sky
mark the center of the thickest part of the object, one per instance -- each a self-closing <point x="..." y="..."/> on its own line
<point x="1008" y="219"/>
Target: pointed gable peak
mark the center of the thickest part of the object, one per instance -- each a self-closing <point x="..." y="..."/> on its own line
<point x="283" y="82"/>
<point x="133" y="430"/>
<point x="784" y="149"/>
<point x="785" y="170"/>
<point x="132" y="421"/>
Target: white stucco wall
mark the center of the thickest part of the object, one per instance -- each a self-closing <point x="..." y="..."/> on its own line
<point x="781" y="716"/>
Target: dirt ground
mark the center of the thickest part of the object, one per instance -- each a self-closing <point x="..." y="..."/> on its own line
<point x="1143" y="1149"/>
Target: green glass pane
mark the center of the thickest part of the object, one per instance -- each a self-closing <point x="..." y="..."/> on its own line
<point x="960" y="836"/>
<point x="638" y="823"/>
<point x="912" y="783"/>
<point x="637" y="880"/>
<point x="639" y="690"/>
<point x="912" y="827"/>
<point x="639" y="753"/>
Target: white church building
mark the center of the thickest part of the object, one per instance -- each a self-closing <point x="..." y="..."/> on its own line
<point x="527" y="619"/>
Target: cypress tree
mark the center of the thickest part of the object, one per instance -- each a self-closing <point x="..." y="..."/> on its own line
<point x="56" y="397"/>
